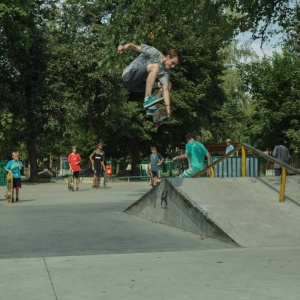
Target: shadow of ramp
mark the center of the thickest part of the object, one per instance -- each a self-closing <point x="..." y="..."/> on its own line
<point x="165" y="204"/>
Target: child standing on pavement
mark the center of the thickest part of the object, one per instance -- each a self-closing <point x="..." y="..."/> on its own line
<point x="74" y="160"/>
<point x="14" y="167"/>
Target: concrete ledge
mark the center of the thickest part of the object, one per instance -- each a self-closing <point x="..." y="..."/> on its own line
<point x="244" y="210"/>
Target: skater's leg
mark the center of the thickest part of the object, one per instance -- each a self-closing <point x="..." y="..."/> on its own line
<point x="152" y="70"/>
<point x="95" y="179"/>
<point x="17" y="195"/>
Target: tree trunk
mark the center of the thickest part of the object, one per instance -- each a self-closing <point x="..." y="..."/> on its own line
<point x="135" y="156"/>
<point x="33" y="162"/>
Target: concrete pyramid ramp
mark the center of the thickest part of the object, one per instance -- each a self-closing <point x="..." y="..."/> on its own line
<point x="241" y="210"/>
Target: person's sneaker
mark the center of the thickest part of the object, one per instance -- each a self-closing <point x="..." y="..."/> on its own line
<point x="77" y="189"/>
<point x="150" y="111"/>
<point x="151" y="101"/>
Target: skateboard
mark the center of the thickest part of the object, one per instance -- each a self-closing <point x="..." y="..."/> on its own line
<point x="71" y="181"/>
<point x="9" y="185"/>
<point x="160" y="117"/>
<point x="151" y="177"/>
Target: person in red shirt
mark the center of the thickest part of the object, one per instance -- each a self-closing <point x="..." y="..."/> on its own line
<point x="74" y="160"/>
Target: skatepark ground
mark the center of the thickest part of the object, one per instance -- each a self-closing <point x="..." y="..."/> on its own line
<point x="60" y="245"/>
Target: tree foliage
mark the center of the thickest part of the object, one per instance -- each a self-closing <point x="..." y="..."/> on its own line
<point x="60" y="73"/>
<point x="263" y="18"/>
<point x="87" y="38"/>
<point x="274" y="86"/>
<point x="23" y="59"/>
<point x="231" y="120"/>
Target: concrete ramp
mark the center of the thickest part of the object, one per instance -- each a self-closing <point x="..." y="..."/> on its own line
<point x="245" y="211"/>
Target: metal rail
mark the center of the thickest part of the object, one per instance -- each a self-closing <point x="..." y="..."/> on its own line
<point x="243" y="147"/>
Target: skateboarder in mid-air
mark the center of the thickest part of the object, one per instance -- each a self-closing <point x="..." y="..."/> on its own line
<point x="150" y="70"/>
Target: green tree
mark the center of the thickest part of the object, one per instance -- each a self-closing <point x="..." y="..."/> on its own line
<point x="274" y="88"/>
<point x="85" y="72"/>
<point x="199" y="30"/>
<point x="67" y="86"/>
<point x="86" y="87"/>
<point x="262" y="18"/>
<point x="13" y="40"/>
<point x="231" y="120"/>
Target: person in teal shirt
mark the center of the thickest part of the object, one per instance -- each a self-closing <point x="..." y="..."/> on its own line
<point x="195" y="153"/>
<point x="229" y="146"/>
<point x="14" y="167"/>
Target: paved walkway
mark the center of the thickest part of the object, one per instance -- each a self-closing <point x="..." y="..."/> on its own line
<point x="61" y="245"/>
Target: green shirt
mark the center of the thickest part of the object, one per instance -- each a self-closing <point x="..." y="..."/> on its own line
<point x="196" y="152"/>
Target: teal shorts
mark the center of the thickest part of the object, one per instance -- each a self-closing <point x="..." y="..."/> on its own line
<point x="189" y="173"/>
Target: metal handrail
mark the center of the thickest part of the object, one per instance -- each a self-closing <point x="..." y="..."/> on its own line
<point x="242" y="147"/>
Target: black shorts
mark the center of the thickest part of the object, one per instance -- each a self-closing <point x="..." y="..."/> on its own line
<point x="17" y="183"/>
<point x="135" y="79"/>
<point x="98" y="171"/>
<point x="76" y="174"/>
<point x="155" y="174"/>
<point x="277" y="171"/>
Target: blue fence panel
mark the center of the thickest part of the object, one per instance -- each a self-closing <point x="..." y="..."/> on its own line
<point x="232" y="166"/>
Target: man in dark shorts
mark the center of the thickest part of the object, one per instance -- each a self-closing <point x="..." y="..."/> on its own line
<point x="281" y="153"/>
<point x="97" y="158"/>
<point x="150" y="70"/>
<point x="74" y="160"/>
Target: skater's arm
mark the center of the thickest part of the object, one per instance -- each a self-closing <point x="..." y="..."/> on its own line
<point x="78" y="162"/>
<point x="160" y="160"/>
<point x="129" y="46"/>
<point x="91" y="157"/>
<point x="166" y="96"/>
<point x="208" y="162"/>
<point x="92" y="160"/>
<point x="183" y="156"/>
<point x="8" y="170"/>
<point x="208" y="158"/>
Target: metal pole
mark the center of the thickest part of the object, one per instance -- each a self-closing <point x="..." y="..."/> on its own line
<point x="212" y="172"/>
<point x="243" y="161"/>
<point x="282" y="185"/>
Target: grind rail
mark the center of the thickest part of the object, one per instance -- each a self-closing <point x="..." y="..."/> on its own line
<point x="243" y="148"/>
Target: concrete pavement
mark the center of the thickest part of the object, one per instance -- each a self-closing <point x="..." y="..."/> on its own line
<point x="61" y="245"/>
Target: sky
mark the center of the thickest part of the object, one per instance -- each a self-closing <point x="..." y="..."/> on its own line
<point x="268" y="47"/>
